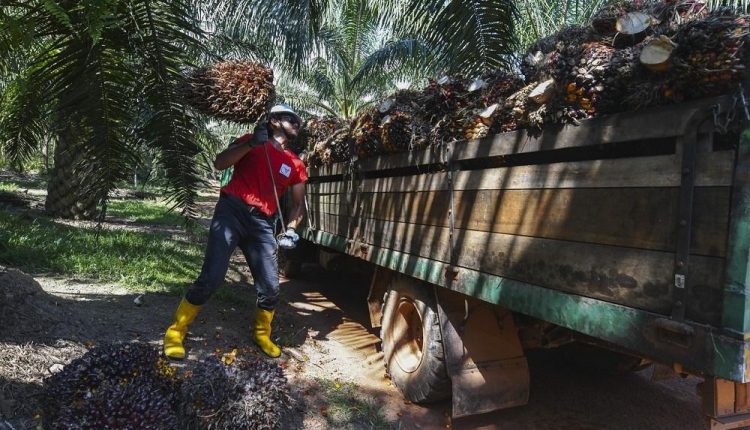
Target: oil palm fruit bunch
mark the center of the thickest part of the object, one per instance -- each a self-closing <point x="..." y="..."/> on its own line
<point x="493" y="89"/>
<point x="513" y="114"/>
<point x="339" y="146"/>
<point x="443" y="97"/>
<point x="399" y="133"/>
<point x="498" y="86"/>
<point x="113" y="386"/>
<point x="246" y="395"/>
<point x="315" y="137"/>
<point x="318" y="129"/>
<point x="205" y="391"/>
<point x="709" y="56"/>
<point x="239" y="91"/>
<point x="402" y="125"/>
<point x="602" y="78"/>
<point x="555" y="53"/>
<point x="366" y="133"/>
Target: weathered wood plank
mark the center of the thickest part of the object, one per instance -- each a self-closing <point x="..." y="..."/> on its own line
<point x="655" y="123"/>
<point x="632" y="277"/>
<point x="713" y="169"/>
<point x="633" y="217"/>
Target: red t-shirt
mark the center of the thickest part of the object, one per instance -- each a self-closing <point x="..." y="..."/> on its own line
<point x="251" y="181"/>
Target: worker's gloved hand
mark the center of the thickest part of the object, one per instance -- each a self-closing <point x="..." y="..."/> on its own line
<point x="288" y="239"/>
<point x="260" y="134"/>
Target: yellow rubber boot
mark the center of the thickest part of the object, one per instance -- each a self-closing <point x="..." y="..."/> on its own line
<point x="185" y="314"/>
<point x="262" y="333"/>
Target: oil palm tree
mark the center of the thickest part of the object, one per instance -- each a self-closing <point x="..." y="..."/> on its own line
<point x="335" y="56"/>
<point x="98" y="76"/>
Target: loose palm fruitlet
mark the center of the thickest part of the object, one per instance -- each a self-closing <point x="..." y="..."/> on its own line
<point x="246" y="395"/>
<point x="114" y="386"/>
<point x="239" y="91"/>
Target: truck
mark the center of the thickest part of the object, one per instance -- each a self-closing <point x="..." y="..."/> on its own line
<point x="627" y="233"/>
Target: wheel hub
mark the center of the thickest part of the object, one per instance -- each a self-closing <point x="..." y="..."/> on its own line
<point x="408" y="336"/>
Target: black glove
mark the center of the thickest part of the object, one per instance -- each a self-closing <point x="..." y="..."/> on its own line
<point x="260" y="135"/>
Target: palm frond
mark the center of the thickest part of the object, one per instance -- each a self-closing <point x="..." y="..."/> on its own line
<point x="395" y="55"/>
<point x="21" y="124"/>
<point x="166" y="30"/>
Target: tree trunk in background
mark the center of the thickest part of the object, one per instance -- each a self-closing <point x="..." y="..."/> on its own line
<point x="67" y="195"/>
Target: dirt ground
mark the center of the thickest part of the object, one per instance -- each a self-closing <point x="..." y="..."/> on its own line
<point x="322" y="321"/>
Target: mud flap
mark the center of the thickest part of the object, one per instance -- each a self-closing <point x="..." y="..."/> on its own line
<point x="483" y="355"/>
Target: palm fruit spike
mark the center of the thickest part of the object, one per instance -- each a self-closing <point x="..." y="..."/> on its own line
<point x="239" y="91"/>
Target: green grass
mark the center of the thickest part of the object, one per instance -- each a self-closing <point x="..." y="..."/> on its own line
<point x="144" y="212"/>
<point x="8" y="187"/>
<point x="142" y="261"/>
<point x="18" y="183"/>
<point x="349" y="409"/>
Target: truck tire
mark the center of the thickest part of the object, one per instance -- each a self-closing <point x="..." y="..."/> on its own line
<point x="412" y="343"/>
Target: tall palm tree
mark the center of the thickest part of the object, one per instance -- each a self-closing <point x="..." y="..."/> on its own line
<point x="99" y="76"/>
<point x="331" y="82"/>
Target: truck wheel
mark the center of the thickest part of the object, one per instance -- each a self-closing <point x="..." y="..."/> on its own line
<point x="412" y="343"/>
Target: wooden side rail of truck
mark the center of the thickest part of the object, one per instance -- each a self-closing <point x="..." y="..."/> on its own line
<point x="630" y="231"/>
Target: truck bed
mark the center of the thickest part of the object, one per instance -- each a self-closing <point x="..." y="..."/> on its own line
<point x="619" y="228"/>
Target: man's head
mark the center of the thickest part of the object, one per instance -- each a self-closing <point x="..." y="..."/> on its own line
<point x="283" y="118"/>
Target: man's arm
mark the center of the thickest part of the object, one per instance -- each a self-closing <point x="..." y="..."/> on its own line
<point x="298" y="205"/>
<point x="231" y="155"/>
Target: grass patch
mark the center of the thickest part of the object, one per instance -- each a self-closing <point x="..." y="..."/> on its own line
<point x="142" y="261"/>
<point x="144" y="212"/>
<point x="349" y="409"/>
<point x="8" y="187"/>
<point x="19" y="183"/>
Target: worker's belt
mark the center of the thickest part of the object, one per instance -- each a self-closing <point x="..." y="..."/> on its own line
<point x="253" y="210"/>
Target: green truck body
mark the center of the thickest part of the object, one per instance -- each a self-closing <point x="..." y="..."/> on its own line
<point x="633" y="228"/>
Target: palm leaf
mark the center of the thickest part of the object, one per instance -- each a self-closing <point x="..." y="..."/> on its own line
<point x="166" y="29"/>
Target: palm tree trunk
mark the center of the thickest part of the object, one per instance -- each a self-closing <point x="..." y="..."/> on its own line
<point x="67" y="193"/>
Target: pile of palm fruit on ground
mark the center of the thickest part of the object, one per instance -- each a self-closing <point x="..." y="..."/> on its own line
<point x="632" y="55"/>
<point x="127" y="386"/>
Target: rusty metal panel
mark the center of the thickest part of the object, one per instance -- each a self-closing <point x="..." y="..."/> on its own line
<point x="484" y="357"/>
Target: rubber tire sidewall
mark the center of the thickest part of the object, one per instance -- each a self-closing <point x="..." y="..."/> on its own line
<point x="429" y="382"/>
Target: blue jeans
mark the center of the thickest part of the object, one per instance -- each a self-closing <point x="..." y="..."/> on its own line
<point x="236" y="224"/>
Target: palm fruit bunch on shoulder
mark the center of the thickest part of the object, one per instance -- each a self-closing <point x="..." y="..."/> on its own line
<point x="366" y="133"/>
<point x="246" y="395"/>
<point x="239" y="91"/>
<point x="709" y="57"/>
<point x="402" y="127"/>
<point x="113" y="386"/>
